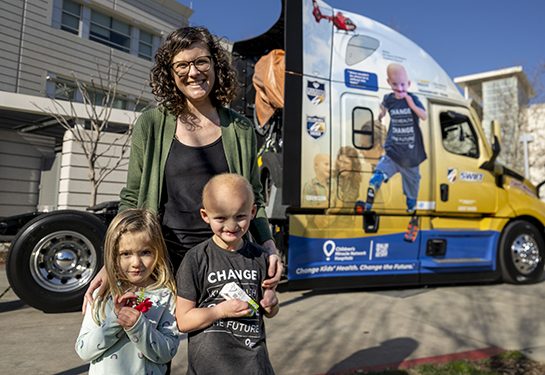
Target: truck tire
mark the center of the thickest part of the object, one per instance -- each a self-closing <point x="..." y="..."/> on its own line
<point x="270" y="171"/>
<point x="53" y="258"/>
<point x="521" y="252"/>
<point x="281" y="239"/>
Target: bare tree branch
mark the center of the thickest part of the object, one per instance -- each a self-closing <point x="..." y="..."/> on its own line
<point x="88" y="129"/>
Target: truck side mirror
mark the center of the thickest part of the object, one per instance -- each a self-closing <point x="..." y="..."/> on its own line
<point x="538" y="187"/>
<point x="490" y="165"/>
<point x="495" y="132"/>
<point x="496" y="148"/>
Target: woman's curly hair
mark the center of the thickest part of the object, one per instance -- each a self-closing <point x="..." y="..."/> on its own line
<point x="162" y="81"/>
<point x="355" y="170"/>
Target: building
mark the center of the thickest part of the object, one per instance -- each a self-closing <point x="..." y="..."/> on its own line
<point x="44" y="43"/>
<point x="536" y="149"/>
<point x="501" y="95"/>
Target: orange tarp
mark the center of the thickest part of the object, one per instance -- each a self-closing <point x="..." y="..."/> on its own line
<point x="269" y="85"/>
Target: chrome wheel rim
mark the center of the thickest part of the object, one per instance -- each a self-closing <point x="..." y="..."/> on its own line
<point x="525" y="254"/>
<point x="63" y="261"/>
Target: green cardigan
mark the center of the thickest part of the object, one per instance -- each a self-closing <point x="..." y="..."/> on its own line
<point x="150" y="145"/>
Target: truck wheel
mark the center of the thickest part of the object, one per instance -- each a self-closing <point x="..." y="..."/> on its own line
<point x="271" y="177"/>
<point x="522" y="253"/>
<point x="53" y="258"/>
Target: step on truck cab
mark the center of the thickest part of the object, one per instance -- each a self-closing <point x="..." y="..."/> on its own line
<point x="475" y="219"/>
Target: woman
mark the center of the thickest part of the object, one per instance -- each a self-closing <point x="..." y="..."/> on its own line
<point x="178" y="147"/>
<point x="348" y="174"/>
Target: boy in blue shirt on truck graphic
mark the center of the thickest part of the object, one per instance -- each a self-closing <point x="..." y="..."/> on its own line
<point x="404" y="145"/>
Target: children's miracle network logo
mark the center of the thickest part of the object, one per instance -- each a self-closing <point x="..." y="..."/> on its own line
<point x="315" y="126"/>
<point x="315" y="92"/>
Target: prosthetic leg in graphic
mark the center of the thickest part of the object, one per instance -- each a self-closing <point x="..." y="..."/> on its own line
<point x="412" y="229"/>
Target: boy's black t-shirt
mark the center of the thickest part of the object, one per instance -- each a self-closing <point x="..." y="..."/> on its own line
<point x="233" y="345"/>
<point x="404" y="144"/>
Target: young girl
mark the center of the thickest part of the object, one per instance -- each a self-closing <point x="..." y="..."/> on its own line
<point x="131" y="327"/>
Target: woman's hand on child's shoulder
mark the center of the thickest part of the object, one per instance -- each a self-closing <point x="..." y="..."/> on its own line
<point x="95" y="283"/>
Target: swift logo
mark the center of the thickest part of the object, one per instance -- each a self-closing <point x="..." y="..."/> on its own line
<point x="452" y="175"/>
<point x="471" y="176"/>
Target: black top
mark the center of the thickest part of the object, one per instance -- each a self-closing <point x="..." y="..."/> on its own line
<point x="187" y="170"/>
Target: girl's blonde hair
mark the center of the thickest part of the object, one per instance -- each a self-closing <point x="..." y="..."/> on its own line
<point x="126" y="223"/>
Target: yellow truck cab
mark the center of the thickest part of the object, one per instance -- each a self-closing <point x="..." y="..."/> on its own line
<point x="476" y="220"/>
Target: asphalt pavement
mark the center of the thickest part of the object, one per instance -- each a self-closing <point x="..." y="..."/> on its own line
<point x="324" y="332"/>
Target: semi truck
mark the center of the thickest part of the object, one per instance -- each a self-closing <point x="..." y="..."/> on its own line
<point x="313" y="86"/>
<point x="477" y="220"/>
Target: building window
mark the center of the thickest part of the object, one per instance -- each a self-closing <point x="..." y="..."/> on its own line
<point x="99" y="98"/>
<point x="64" y="89"/>
<point x="145" y="46"/>
<point x="110" y="31"/>
<point x="103" y="29"/>
<point x="142" y="105"/>
<point x="71" y="16"/>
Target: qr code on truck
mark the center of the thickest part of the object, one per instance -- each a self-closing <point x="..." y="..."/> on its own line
<point x="381" y="251"/>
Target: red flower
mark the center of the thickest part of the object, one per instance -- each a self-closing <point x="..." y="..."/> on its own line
<point x="144" y="306"/>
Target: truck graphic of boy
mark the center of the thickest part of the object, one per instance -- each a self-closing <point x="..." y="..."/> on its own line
<point x="316" y="191"/>
<point x="404" y="146"/>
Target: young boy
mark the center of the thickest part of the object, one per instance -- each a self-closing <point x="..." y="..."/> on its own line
<point x="316" y="191"/>
<point x="404" y="146"/>
<point x="225" y="336"/>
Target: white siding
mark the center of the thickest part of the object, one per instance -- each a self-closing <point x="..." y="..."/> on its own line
<point x="74" y="186"/>
<point x="21" y="158"/>
<point x="47" y="49"/>
<point x="33" y="46"/>
<point x="11" y="13"/>
<point x="536" y="149"/>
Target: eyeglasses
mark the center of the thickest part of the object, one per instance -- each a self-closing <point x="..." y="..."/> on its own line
<point x="202" y="64"/>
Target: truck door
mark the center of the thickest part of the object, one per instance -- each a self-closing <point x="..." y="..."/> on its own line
<point x="349" y="167"/>
<point x="458" y="152"/>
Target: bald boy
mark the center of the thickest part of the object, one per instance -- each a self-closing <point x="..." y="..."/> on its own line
<point x="222" y="328"/>
<point x="404" y="146"/>
<point x="316" y="191"/>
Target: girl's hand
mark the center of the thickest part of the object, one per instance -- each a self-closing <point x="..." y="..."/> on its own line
<point x="95" y="283"/>
<point x="233" y="308"/>
<point x="128" y="300"/>
<point x="128" y="317"/>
